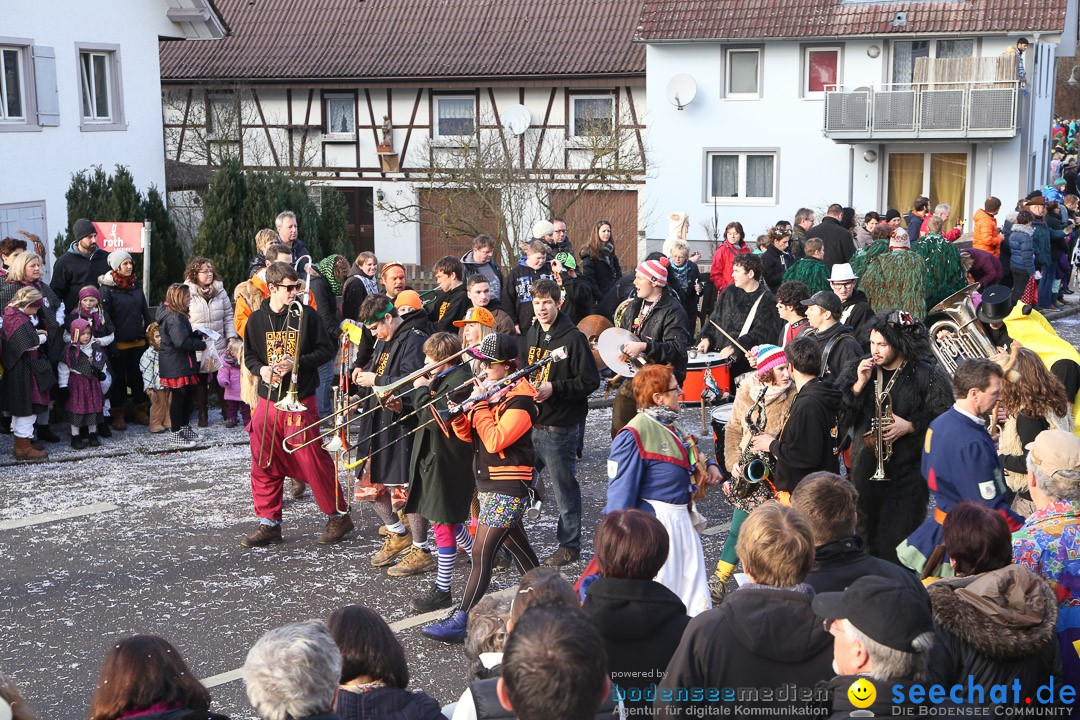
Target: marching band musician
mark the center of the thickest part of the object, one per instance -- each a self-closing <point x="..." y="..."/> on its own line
<point x="773" y="377"/>
<point x="651" y="468"/>
<point x="270" y="340"/>
<point x="398" y="352"/>
<point x="500" y="429"/>
<point x="901" y="366"/>
<point x="656" y="317"/>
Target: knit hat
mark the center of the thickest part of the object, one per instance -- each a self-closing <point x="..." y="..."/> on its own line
<point x="892" y="214"/>
<point x="117" y="258"/>
<point x="768" y="357"/>
<point x="409" y="299"/>
<point x="476" y="315"/>
<point x="655" y="270"/>
<point x="75" y="329"/>
<point x="541" y="228"/>
<point x="567" y="260"/>
<point x="82" y="228"/>
<point x="89" y="291"/>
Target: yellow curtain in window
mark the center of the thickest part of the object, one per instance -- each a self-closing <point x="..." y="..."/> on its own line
<point x="948" y="183"/>
<point x="905" y="179"/>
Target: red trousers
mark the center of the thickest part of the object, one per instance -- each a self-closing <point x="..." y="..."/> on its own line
<point x="311" y="464"/>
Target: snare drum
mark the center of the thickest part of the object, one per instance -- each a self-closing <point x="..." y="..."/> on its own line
<point x="696" y="367"/>
<point x="721" y="416"/>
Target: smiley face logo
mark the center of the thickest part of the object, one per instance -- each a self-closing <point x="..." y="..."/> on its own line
<point x="862" y="693"/>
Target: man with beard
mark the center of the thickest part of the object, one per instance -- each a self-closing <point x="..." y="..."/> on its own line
<point x="902" y="367"/>
<point x="855" y="309"/>
<point x="398" y="351"/>
<point x="746" y="311"/>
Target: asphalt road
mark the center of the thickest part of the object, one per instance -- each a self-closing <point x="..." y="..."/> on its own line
<point x="137" y="539"/>
<point x="153" y="547"/>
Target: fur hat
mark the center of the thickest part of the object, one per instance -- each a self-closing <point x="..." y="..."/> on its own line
<point x="117" y="258"/>
<point x="82" y="228"/>
<point x="907" y="335"/>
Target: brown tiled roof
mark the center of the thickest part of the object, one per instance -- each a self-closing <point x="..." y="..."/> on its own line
<point x="675" y="20"/>
<point x="413" y="39"/>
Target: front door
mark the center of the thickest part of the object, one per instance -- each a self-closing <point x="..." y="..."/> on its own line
<point x="360" y="226"/>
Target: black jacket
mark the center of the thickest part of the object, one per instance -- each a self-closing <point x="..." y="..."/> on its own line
<point x="843" y="352"/>
<point x="267" y="342"/>
<point x="72" y="271"/>
<point x="809" y="440"/>
<point x="488" y="706"/>
<point x="855" y="312"/>
<point x="448" y="307"/>
<point x="326" y="306"/>
<point x="759" y="638"/>
<point x="688" y="296"/>
<point x="572" y="380"/>
<point x="838" y="564"/>
<point x="598" y="276"/>
<point x="839" y="243"/>
<point x="642" y="623"/>
<point x="665" y="331"/>
<point x="387" y="703"/>
<point x="353" y="294"/>
<point x="733" y="306"/>
<point x="176" y="356"/>
<point x="775" y="262"/>
<point x="622" y="290"/>
<point x="126" y="308"/>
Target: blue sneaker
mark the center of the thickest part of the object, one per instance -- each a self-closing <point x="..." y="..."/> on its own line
<point x="450" y="630"/>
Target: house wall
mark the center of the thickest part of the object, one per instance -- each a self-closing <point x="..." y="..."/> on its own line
<point x="812" y="170"/>
<point x="274" y="128"/>
<point x="39" y="163"/>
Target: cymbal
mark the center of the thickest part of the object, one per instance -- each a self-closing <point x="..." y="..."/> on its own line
<point x="610" y="344"/>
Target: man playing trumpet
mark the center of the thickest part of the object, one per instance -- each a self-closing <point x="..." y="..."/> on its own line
<point x="270" y="351"/>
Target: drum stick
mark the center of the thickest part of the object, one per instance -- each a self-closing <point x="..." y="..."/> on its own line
<point x="733" y="340"/>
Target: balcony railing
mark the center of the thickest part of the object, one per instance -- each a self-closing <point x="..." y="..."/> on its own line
<point x="928" y="111"/>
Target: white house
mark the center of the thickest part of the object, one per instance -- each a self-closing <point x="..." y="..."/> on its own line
<point x="79" y="86"/>
<point x="803" y="103"/>
<point x="379" y="98"/>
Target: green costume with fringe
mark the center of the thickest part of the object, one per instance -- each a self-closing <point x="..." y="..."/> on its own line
<point x="944" y="271"/>
<point x="810" y="271"/>
<point x="862" y="259"/>
<point x="894" y="281"/>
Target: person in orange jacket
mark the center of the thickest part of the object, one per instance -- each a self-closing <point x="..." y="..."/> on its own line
<point x="987" y="234"/>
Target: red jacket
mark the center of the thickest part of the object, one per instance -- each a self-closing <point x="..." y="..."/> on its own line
<point x="722" y="259"/>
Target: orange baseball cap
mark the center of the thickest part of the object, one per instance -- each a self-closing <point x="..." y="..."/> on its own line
<point x="477" y="315"/>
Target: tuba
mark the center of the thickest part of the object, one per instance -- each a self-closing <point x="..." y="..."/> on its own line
<point x="753" y="467"/>
<point x="961" y="336"/>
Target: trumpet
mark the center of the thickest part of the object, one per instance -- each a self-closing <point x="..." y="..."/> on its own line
<point x="883" y="415"/>
<point x="753" y="467"/>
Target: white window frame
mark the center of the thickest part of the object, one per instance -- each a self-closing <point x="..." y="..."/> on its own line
<point x="933" y="45"/>
<point x="328" y="135"/>
<point x="572" y="120"/>
<point x="804" y="87"/>
<point x="115" y="120"/>
<point x="5" y="91"/>
<point x="27" y="79"/>
<point x="741" y="198"/>
<point x="435" y="124"/>
<point x="727" y="92"/>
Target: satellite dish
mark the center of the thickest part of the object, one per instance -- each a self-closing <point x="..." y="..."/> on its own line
<point x="681" y="90"/>
<point x="516" y="119"/>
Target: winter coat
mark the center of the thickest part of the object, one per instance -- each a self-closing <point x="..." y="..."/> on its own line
<point x="775" y="262"/>
<point x="987" y="235"/>
<point x="1022" y="249"/>
<point x="249" y="296"/>
<point x="47" y="316"/>
<point x="914" y="224"/>
<point x="996" y="627"/>
<point x="228" y="379"/>
<point x="688" y="296"/>
<point x="839" y="244"/>
<point x="839" y="563"/>
<point x="501" y="436"/>
<point x="840" y="707"/>
<point x="491" y="271"/>
<point x="1041" y="243"/>
<point x="985" y="269"/>
<point x="798" y="242"/>
<point x="665" y="331"/>
<point x="736" y="434"/>
<point x="722" y="260"/>
<point x="24" y="363"/>
<point x="844" y="351"/>
<point x="326" y="306"/>
<point x="127" y="309"/>
<point x="809" y="441"/>
<point x="855" y="311"/>
<point x="150" y="369"/>
<point x="179" y="343"/>
<point x="733" y="308"/>
<point x="641" y="622"/>
<point x="72" y="271"/>
<point x="440" y="482"/>
<point x="215" y="313"/>
<point x="862" y="237"/>
<point x="598" y="276"/>
<point x="102" y="325"/>
<point x="637" y="474"/>
<point x="761" y="637"/>
<point x="572" y="380"/>
<point x="387" y="703"/>
<point x="619" y="292"/>
<point x="353" y="294"/>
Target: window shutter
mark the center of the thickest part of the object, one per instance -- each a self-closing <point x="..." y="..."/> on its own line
<point x="48" y="99"/>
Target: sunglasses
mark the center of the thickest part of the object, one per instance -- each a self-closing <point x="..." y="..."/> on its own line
<point x="292" y="287"/>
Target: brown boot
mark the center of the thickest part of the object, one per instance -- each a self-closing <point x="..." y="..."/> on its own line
<point x="118" y="422"/>
<point x="140" y="414"/>
<point x="24" y="450"/>
<point x="337" y="527"/>
<point x="159" y="410"/>
<point x="200" y="403"/>
<point x="168" y="407"/>
<point x="297" y="488"/>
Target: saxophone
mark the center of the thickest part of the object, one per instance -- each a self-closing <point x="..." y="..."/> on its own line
<point x="753" y="467"/>
<point x="883" y="416"/>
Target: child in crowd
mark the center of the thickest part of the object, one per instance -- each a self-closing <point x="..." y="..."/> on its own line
<point x="159" y="395"/>
<point x="228" y="377"/>
<point x="517" y="292"/>
<point x="89" y="309"/>
<point x="177" y="366"/>
<point x="81" y="372"/>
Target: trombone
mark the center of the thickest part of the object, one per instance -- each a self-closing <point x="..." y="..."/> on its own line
<point x="383" y="392"/>
<point x="305" y="294"/>
<point x="290" y="401"/>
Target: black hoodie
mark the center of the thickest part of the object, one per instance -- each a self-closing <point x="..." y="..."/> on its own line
<point x="855" y="312"/>
<point x="843" y="351"/>
<point x="641" y="622"/>
<point x="572" y="380"/>
<point x="809" y="441"/>
<point x="448" y="307"/>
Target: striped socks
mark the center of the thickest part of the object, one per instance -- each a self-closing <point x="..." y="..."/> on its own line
<point x="464" y="538"/>
<point x="446" y="558"/>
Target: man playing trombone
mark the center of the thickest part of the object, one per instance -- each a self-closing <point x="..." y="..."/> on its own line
<point x="284" y="345"/>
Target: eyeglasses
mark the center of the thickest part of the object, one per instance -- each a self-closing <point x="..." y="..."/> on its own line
<point x="675" y="389"/>
<point x="842" y="283"/>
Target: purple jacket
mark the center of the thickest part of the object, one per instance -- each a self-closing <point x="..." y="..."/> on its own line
<point x="986" y="269"/>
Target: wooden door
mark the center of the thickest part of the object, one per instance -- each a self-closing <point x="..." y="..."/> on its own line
<point x="449" y="220"/>
<point x="620" y="207"/>
<point x="360" y="226"/>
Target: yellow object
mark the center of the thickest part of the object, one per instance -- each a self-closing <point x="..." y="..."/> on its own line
<point x="354" y="331"/>
<point x="724" y="570"/>
<point x="1034" y="332"/>
<point x="862" y="693"/>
